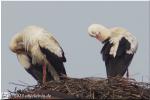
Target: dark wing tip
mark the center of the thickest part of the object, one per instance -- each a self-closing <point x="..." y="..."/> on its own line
<point x="63" y="58"/>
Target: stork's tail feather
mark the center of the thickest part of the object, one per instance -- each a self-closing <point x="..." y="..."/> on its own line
<point x="118" y="66"/>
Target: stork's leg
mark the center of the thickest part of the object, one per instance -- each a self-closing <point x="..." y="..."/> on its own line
<point x="44" y="73"/>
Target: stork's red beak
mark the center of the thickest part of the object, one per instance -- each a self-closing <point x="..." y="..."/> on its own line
<point x="98" y="37"/>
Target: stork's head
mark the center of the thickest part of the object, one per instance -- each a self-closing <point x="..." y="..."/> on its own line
<point x="16" y="44"/>
<point x="99" y="32"/>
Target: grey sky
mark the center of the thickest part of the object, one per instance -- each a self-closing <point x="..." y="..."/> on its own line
<point x="68" y="21"/>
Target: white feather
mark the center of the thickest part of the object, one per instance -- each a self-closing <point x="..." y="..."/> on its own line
<point x="34" y="35"/>
<point x="117" y="34"/>
<point x="133" y="42"/>
<point x="24" y="60"/>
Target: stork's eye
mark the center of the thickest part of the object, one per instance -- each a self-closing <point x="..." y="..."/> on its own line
<point x="93" y="33"/>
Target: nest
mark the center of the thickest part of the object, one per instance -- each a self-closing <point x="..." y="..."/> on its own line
<point x="86" y="88"/>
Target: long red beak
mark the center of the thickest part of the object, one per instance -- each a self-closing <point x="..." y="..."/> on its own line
<point x="98" y="37"/>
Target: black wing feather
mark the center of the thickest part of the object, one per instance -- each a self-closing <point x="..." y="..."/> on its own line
<point x="105" y="50"/>
<point x="36" y="70"/>
<point x="124" y="45"/>
<point x="63" y="58"/>
<point x="55" y="61"/>
<point x="119" y="64"/>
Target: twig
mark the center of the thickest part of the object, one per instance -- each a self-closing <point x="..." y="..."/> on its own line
<point x="20" y="84"/>
<point x="17" y="84"/>
<point x="68" y="89"/>
<point x="23" y="82"/>
<point x="93" y="95"/>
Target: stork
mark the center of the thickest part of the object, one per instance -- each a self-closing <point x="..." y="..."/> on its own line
<point x="39" y="53"/>
<point x="118" y="50"/>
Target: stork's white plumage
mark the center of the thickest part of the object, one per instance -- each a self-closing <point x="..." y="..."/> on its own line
<point x="35" y="47"/>
<point x="118" y="50"/>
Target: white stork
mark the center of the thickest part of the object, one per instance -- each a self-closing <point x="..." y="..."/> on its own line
<point x="39" y="53"/>
<point x="118" y="50"/>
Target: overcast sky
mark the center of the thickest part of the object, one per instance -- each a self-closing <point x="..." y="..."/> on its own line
<point x="68" y="21"/>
